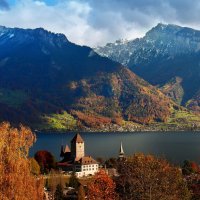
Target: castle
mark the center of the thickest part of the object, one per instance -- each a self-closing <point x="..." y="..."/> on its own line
<point x="76" y="160"/>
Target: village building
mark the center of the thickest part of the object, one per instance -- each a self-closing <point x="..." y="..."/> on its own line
<point x="75" y="159"/>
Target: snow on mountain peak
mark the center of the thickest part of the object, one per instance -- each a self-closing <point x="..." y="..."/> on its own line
<point x="164" y="40"/>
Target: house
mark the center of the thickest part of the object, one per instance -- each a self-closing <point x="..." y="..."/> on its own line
<point x="75" y="159"/>
<point x="86" y="166"/>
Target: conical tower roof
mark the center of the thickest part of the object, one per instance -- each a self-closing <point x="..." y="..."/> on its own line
<point x="77" y="139"/>
<point x="67" y="149"/>
<point x="121" y="151"/>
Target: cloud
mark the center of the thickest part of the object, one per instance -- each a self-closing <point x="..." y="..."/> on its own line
<point x="92" y="22"/>
<point x="4" y="5"/>
<point x="135" y="17"/>
<point x="68" y="17"/>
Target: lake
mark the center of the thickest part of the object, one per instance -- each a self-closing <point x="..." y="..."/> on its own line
<point x="174" y="146"/>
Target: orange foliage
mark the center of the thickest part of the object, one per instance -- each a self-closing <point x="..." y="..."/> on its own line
<point x="195" y="167"/>
<point x="118" y="120"/>
<point x="91" y="120"/>
<point x="102" y="187"/>
<point x="147" y="177"/>
<point x="16" y="180"/>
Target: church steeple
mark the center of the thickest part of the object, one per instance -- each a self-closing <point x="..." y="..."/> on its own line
<point x="121" y="151"/>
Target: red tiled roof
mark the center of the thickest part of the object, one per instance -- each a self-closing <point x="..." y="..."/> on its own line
<point x="64" y="164"/>
<point x="86" y="160"/>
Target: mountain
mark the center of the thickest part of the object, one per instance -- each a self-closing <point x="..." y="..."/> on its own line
<point x="47" y="82"/>
<point x="168" y="56"/>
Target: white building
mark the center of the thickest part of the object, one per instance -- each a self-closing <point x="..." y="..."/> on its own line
<point x="86" y="166"/>
<point x="75" y="159"/>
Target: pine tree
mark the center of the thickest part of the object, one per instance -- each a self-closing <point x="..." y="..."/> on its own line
<point x="59" y="193"/>
<point x="73" y="181"/>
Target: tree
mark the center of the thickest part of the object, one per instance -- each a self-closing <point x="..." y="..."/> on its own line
<point x="111" y="163"/>
<point x="190" y="167"/>
<point x="194" y="186"/>
<point x="59" y="193"/>
<point x="81" y="193"/>
<point x="16" y="179"/>
<point x="55" y="178"/>
<point x="100" y="160"/>
<point x="102" y="187"/>
<point x="35" y="168"/>
<point x="73" y="181"/>
<point x="146" y="177"/>
<point x="46" y="183"/>
<point x="46" y="161"/>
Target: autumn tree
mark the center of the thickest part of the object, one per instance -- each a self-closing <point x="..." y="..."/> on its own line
<point x="194" y="185"/>
<point x="16" y="179"/>
<point x="100" y="160"/>
<point x="46" y="161"/>
<point x="35" y="168"/>
<point x="102" y="187"/>
<point x="55" y="178"/>
<point x="111" y="163"/>
<point x="190" y="167"/>
<point x="81" y="193"/>
<point x="146" y="177"/>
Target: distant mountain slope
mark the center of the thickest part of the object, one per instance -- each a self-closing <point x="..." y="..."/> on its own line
<point x="48" y="82"/>
<point x="166" y="53"/>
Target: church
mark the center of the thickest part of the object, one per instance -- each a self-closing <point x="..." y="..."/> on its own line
<point x="75" y="159"/>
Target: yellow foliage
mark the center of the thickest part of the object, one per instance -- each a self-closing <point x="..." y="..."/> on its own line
<point x="16" y="180"/>
<point x="35" y="168"/>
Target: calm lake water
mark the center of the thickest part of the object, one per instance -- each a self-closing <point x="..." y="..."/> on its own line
<point x="176" y="147"/>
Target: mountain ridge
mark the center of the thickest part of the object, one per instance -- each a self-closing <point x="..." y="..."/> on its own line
<point x="164" y="53"/>
<point x="47" y="82"/>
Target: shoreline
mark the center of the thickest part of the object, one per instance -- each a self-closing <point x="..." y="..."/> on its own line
<point x="116" y="132"/>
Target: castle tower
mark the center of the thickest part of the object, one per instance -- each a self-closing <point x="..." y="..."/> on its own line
<point x="77" y="147"/>
<point x="121" y="152"/>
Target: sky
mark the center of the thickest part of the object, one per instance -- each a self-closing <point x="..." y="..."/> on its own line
<point x="97" y="22"/>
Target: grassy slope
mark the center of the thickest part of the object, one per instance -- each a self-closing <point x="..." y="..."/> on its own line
<point x="58" y="122"/>
<point x="180" y="120"/>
